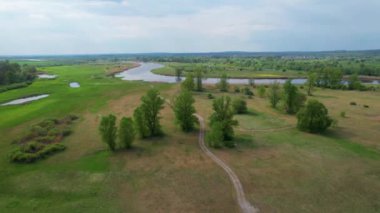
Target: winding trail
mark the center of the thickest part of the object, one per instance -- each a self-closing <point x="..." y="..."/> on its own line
<point x="244" y="204"/>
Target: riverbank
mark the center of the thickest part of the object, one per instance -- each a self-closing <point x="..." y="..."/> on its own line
<point x="169" y="70"/>
<point x="121" y="68"/>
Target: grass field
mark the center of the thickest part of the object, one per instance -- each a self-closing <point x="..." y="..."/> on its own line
<point x="291" y="171"/>
<point x="281" y="171"/>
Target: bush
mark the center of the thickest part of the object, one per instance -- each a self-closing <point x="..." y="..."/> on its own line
<point x="66" y="132"/>
<point x="14" y="86"/>
<point x="237" y="90"/>
<point x="343" y="114"/>
<point x="38" y="131"/>
<point x="261" y="91"/>
<point x="240" y="106"/>
<point x="20" y="156"/>
<point x="366" y="106"/>
<point x="31" y="147"/>
<point x="313" y="118"/>
<point x="73" y="117"/>
<point x="54" y="132"/>
<point x="353" y="103"/>
<point x="210" y="96"/>
<point x="247" y="91"/>
<point x="46" y="139"/>
<point x="41" y="141"/>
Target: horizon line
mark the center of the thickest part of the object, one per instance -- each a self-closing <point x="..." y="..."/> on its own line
<point x="187" y="53"/>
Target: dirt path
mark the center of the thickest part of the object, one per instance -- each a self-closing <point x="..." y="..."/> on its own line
<point x="244" y="204"/>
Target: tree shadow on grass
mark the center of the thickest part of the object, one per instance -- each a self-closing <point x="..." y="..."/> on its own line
<point x="245" y="142"/>
<point x="355" y="147"/>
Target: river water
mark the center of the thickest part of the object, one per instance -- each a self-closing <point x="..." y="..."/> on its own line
<point x="144" y="73"/>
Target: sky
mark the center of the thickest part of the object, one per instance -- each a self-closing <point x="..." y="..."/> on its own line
<point x="139" y="26"/>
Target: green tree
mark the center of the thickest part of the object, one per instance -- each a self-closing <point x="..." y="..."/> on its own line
<point x="140" y="123"/>
<point x="223" y="115"/>
<point x="335" y="78"/>
<point x="261" y="91"/>
<point x="108" y="129"/>
<point x="354" y="82"/>
<point x="199" y="76"/>
<point x="223" y="83"/>
<point x="151" y="105"/>
<point x="311" y="82"/>
<point x="274" y="94"/>
<point x="313" y="118"/>
<point x="184" y="110"/>
<point x="188" y="83"/>
<point x="178" y="73"/>
<point x="215" y="136"/>
<point x="293" y="100"/>
<point x="126" y="132"/>
<point x="240" y="106"/>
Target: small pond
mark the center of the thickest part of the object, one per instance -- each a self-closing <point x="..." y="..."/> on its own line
<point x="47" y="76"/>
<point x="74" y="85"/>
<point x="25" y="100"/>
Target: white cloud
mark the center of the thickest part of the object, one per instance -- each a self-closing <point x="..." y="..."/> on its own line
<point x="88" y="26"/>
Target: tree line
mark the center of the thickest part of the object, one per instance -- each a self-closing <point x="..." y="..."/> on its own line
<point x="11" y="73"/>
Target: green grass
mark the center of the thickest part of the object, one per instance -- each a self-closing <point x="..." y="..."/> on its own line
<point x="78" y="183"/>
<point x="281" y="171"/>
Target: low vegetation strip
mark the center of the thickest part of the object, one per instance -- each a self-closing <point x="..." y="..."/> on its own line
<point x="244" y="204"/>
<point x="42" y="140"/>
<point x="267" y="130"/>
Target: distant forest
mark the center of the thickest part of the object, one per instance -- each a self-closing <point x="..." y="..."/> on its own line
<point x="11" y="73"/>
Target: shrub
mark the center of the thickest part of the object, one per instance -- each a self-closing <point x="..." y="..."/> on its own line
<point x="66" y="132"/>
<point x="247" y="91"/>
<point x="46" y="139"/>
<point x="313" y="118"/>
<point x="41" y="140"/>
<point x="73" y="117"/>
<point x="210" y="96"/>
<point x="353" y="103"/>
<point x="366" y="106"/>
<point x="240" y="106"/>
<point x="261" y="91"/>
<point x="343" y="114"/>
<point x="53" y="132"/>
<point x="48" y="123"/>
<point x="38" y="131"/>
<point x="31" y="147"/>
<point x="14" y="86"/>
<point x="237" y="90"/>
<point x="19" y="155"/>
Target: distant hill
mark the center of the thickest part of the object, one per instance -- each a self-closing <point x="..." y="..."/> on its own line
<point x="298" y="54"/>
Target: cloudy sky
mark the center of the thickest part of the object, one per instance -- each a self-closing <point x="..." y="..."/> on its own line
<point x="135" y="26"/>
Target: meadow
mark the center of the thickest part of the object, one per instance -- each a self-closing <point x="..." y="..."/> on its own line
<point x="282" y="170"/>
